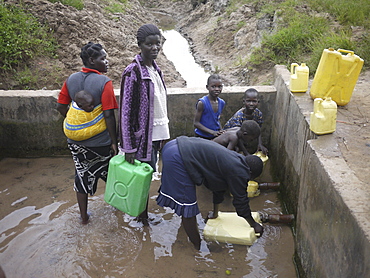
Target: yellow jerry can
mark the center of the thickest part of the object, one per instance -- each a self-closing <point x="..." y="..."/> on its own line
<point x="263" y="157"/>
<point x="299" y="78"/>
<point x="323" y="119"/>
<point x="252" y="189"/>
<point x="336" y="75"/>
<point x="228" y="227"/>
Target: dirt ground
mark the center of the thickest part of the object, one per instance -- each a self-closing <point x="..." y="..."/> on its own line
<point x="352" y="132"/>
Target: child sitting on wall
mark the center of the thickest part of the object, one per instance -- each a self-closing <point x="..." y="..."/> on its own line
<point x="236" y="138"/>
<point x="249" y="112"/>
<point x="208" y="110"/>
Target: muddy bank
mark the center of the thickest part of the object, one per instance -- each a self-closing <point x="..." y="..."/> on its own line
<point x="73" y="29"/>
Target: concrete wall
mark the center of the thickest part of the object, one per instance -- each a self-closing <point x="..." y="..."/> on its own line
<point x="31" y="126"/>
<point x="331" y="207"/>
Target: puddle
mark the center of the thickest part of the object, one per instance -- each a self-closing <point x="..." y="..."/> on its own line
<point x="40" y="233"/>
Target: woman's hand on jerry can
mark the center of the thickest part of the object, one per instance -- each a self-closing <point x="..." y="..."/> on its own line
<point x="258" y="229"/>
<point x="130" y="157"/>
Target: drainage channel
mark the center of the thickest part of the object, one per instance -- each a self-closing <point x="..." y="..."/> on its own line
<point x="176" y="49"/>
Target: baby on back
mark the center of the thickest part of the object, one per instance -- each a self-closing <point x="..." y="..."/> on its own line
<point x="85" y="101"/>
<point x="83" y="120"/>
<point x="235" y="138"/>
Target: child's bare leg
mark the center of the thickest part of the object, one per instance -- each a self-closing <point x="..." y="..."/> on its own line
<point x="82" y="203"/>
<point x="191" y="229"/>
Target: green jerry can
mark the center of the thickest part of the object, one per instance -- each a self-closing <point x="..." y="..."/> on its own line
<point x="336" y="75"/>
<point x="127" y="186"/>
<point x="299" y="78"/>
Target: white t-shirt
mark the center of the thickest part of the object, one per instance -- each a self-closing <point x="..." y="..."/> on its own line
<point x="161" y="130"/>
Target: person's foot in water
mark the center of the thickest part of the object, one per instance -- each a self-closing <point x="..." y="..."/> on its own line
<point x="85" y="220"/>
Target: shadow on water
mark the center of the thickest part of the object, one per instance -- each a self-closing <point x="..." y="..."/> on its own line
<point x="41" y="236"/>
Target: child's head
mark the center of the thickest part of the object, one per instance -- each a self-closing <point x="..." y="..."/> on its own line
<point x="250" y="100"/>
<point x="85" y="100"/>
<point x="94" y="57"/>
<point x="250" y="130"/>
<point x="255" y="165"/>
<point x="149" y="40"/>
<point x="214" y="85"/>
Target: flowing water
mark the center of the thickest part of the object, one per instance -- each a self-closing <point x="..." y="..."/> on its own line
<point x="177" y="50"/>
<point x="41" y="234"/>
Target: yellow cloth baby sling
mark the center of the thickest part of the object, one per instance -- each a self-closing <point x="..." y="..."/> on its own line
<point x="81" y="125"/>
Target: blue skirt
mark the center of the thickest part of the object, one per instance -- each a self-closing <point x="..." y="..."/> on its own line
<point x="177" y="190"/>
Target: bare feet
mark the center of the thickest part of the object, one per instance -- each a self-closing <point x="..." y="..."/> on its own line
<point x="143" y="220"/>
<point x="85" y="220"/>
<point x="148" y="220"/>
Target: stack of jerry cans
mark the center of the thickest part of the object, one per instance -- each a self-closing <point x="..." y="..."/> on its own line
<point x="336" y="75"/>
<point x="127" y="186"/>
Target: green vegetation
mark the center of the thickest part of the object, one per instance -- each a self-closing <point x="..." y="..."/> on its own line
<point x="354" y="12"/>
<point x="293" y="42"/>
<point x="304" y="30"/>
<point x="78" y="4"/>
<point x="22" y="37"/>
<point x="115" y="6"/>
<point x="239" y="25"/>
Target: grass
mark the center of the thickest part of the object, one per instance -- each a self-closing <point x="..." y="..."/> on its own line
<point x="355" y="12"/>
<point x="115" y="6"/>
<point x="301" y="37"/>
<point x="78" y="4"/>
<point x="22" y="37"/>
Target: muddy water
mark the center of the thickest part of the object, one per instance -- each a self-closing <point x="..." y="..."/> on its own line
<point x="40" y="233"/>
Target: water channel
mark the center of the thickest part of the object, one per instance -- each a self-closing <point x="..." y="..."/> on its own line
<point x="177" y="50"/>
<point x="41" y="235"/>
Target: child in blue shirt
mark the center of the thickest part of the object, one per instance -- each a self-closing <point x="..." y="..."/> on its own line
<point x="208" y="110"/>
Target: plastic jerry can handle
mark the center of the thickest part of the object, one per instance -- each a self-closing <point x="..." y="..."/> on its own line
<point x="317" y="106"/>
<point x="119" y="158"/>
<point x="346" y="51"/>
<point x="293" y="65"/>
<point x="123" y="158"/>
